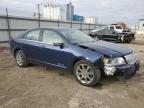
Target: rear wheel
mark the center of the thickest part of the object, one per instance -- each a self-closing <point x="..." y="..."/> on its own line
<point x="20" y="59"/>
<point x="86" y="73"/>
<point x="96" y="37"/>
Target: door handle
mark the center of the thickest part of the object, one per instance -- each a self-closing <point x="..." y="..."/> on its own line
<point x="43" y="46"/>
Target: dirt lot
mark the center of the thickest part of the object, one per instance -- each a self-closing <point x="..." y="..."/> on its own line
<point x="38" y="87"/>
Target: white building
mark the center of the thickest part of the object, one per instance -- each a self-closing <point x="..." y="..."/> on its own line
<point x="90" y="20"/>
<point x="58" y="12"/>
<point x="54" y="12"/>
<point x="141" y="25"/>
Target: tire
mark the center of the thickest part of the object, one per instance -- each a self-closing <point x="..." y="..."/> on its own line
<point x="20" y="59"/>
<point x="127" y="40"/>
<point x="96" y="37"/>
<point x="89" y="75"/>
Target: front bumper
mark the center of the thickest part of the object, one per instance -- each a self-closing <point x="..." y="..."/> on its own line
<point x="127" y="70"/>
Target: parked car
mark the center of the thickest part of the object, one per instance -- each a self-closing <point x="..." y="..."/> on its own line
<point x="73" y="51"/>
<point x="123" y="30"/>
<point x="112" y="35"/>
<point x="116" y="27"/>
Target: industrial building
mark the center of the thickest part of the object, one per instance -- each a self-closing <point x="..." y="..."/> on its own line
<point x="69" y="11"/>
<point x="58" y="12"/>
<point x="141" y="25"/>
<point x="78" y="18"/>
<point x="64" y="12"/>
<point x="90" y="20"/>
<point x="53" y="11"/>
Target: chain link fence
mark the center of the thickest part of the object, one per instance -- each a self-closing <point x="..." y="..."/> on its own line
<point x="14" y="25"/>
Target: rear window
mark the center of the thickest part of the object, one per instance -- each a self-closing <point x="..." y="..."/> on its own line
<point x="33" y="35"/>
<point x="118" y="27"/>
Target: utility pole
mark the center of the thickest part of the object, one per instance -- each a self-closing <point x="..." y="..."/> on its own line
<point x="58" y="21"/>
<point x="38" y="7"/>
<point x="81" y="25"/>
<point x="8" y="25"/>
<point x="135" y="28"/>
<point x="71" y="23"/>
<point x="138" y="25"/>
<point x="96" y="23"/>
<point x="89" y="27"/>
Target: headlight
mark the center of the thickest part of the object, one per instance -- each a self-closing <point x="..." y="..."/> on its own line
<point x="114" y="61"/>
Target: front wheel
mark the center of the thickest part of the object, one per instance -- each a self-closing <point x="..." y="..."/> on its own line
<point x="96" y="37"/>
<point x="86" y="73"/>
<point x="127" y="40"/>
<point x="20" y="59"/>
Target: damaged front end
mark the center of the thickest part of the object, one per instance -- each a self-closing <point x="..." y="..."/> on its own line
<point x="111" y="63"/>
<point x="121" y="66"/>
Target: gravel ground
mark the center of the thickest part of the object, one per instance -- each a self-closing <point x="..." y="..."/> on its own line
<point x="39" y="87"/>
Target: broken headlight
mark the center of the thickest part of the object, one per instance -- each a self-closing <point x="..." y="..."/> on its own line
<point x="110" y="64"/>
<point x="114" y="61"/>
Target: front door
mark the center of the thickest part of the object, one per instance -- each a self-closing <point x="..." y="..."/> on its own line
<point x="109" y="35"/>
<point x="54" y="54"/>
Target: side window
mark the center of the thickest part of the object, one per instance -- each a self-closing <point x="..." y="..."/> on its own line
<point x="110" y="32"/>
<point x="51" y="37"/>
<point x="111" y="27"/>
<point x="33" y="35"/>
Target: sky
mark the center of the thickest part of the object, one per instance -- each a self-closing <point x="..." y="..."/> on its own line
<point x="106" y="11"/>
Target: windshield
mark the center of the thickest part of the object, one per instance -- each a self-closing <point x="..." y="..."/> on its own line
<point x="77" y="37"/>
<point x="118" y="27"/>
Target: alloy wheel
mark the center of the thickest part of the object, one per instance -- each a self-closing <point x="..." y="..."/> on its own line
<point x="84" y="73"/>
<point x="19" y="58"/>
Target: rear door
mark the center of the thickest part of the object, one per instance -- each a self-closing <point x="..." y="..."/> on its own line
<point x="109" y="35"/>
<point x="31" y="45"/>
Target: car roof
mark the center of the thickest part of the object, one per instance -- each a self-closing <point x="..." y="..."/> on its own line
<point x="101" y="30"/>
<point x="52" y="28"/>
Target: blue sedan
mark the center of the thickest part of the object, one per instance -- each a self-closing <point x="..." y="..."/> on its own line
<point x="73" y="51"/>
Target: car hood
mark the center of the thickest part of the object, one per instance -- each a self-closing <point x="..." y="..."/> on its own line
<point x="126" y="33"/>
<point x="119" y="30"/>
<point x="107" y="48"/>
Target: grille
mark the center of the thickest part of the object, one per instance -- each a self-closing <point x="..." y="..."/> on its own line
<point x="131" y="58"/>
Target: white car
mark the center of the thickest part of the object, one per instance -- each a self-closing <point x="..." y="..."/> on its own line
<point x="117" y="28"/>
